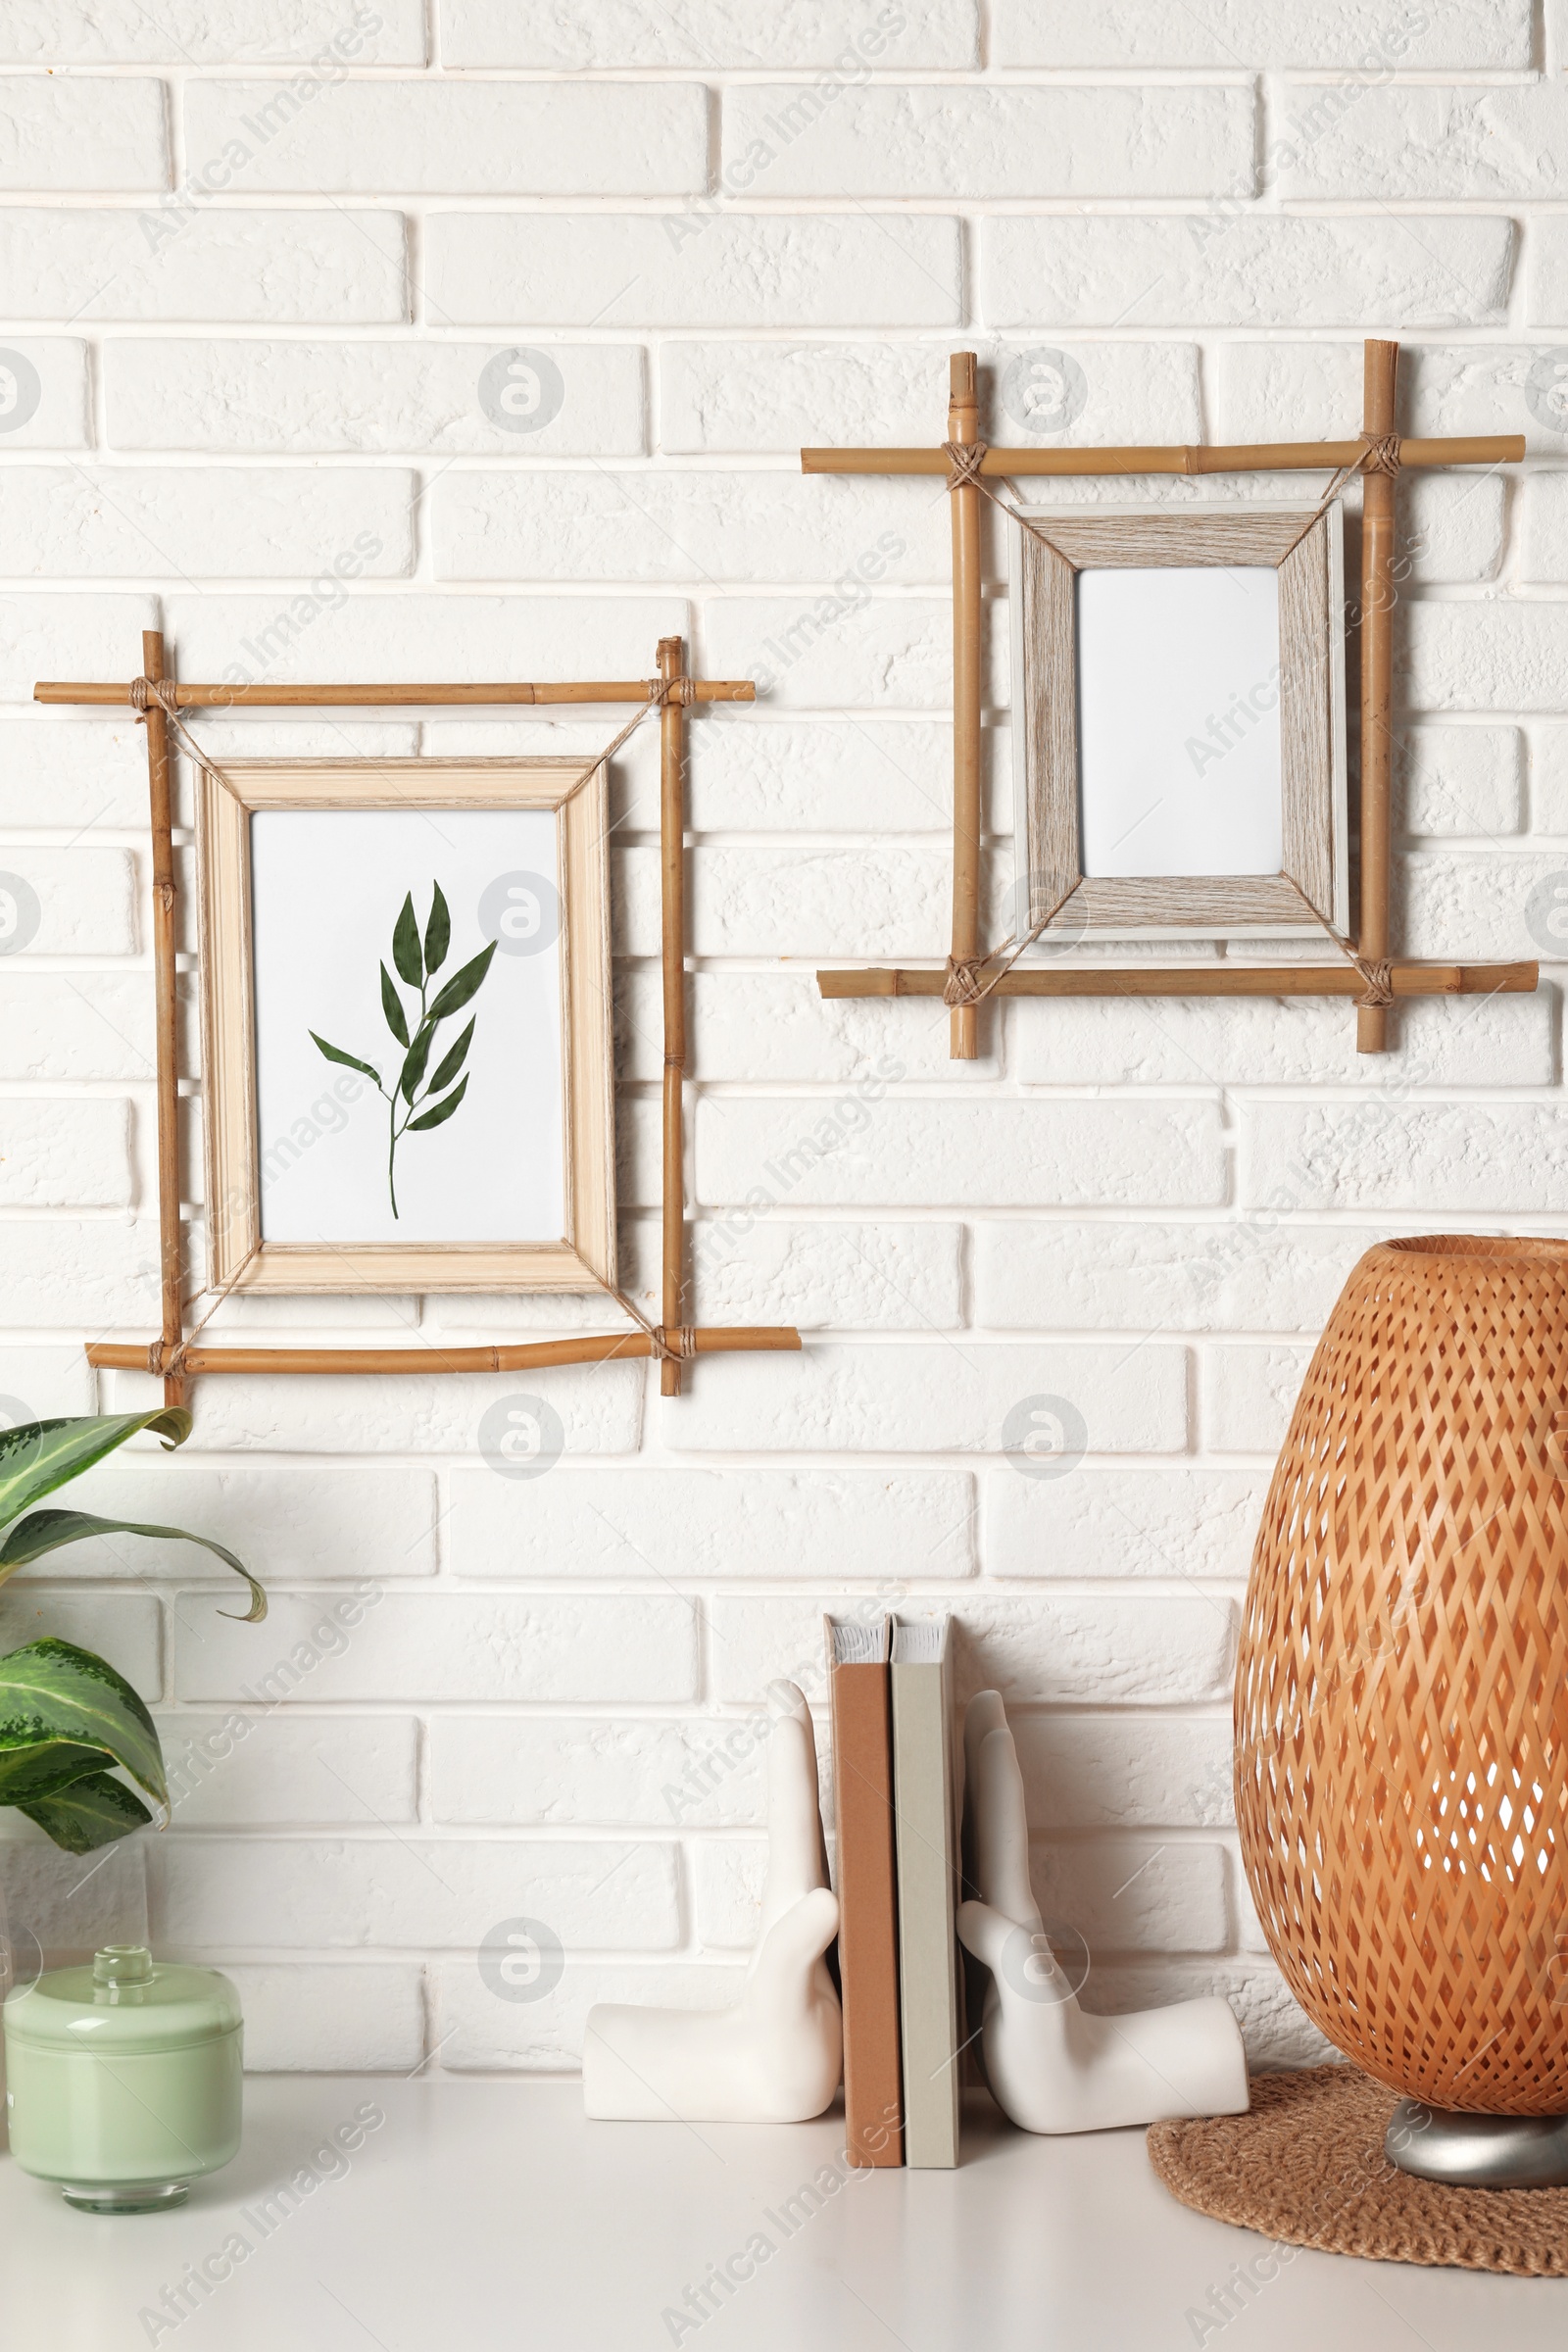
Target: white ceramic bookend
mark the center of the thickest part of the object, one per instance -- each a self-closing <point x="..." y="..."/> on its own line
<point x="776" y="2056"/>
<point x="1052" y="2067"/>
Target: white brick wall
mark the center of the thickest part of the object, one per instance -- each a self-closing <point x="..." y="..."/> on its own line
<point x="257" y="261"/>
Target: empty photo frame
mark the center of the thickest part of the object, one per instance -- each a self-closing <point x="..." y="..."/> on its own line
<point x="1179" y="749"/>
<point x="406" y="1025"/>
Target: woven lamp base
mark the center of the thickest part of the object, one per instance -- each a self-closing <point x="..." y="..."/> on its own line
<point x="1305" y="2167"/>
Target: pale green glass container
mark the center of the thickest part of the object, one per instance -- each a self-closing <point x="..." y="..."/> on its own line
<point x="124" y="2078"/>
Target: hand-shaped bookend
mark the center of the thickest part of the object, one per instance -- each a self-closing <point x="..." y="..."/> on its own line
<point x="1050" y="2067"/>
<point x="776" y="2056"/>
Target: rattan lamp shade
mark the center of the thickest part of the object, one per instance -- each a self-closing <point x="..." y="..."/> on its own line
<point x="1401" y="1694"/>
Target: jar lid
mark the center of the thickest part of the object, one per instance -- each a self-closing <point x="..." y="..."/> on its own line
<point x="126" y="2001"/>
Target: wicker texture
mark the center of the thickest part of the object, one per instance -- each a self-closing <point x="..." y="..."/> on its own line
<point x="1402" y="1693"/>
<point x="1305" y="2167"/>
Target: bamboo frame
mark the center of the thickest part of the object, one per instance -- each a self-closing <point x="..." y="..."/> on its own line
<point x="1407" y="978"/>
<point x="671" y="1340"/>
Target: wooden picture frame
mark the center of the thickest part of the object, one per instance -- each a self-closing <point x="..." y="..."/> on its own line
<point x="1298" y="714"/>
<point x="575" y="967"/>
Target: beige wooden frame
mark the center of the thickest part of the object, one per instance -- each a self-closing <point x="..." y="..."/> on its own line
<point x="1314" y="886"/>
<point x="584" y="1258"/>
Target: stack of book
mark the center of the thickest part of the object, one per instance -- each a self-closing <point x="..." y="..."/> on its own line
<point x="895" y="1799"/>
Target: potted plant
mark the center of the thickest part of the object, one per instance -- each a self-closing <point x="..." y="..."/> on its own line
<point x="68" y="1721"/>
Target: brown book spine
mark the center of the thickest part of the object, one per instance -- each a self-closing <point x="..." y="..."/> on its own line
<point x="869" y="1950"/>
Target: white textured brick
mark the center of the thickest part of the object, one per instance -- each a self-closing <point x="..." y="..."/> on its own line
<point x="882" y="1277"/>
<point x="1547" y="295"/>
<point x="38" y="1383"/>
<point x="839" y="138"/>
<point x="1459" y="780"/>
<point x="1275" y="32"/>
<point x="300" y="397"/>
<point x="1250" y="1275"/>
<point x="1275" y="2028"/>
<point x="1353" y="140"/>
<point x="422" y="1892"/>
<point x="254" y="1772"/>
<point x="692" y="1525"/>
<point x="953" y="1398"/>
<point x="898" y="1151"/>
<point x="696" y="526"/>
<point x="885" y="901"/>
<point x="707" y="33"/>
<point x="290" y="638"/>
<point x="75" y="772"/>
<point x="1311" y="391"/>
<point x="69" y="1910"/>
<point x="1549" y="779"/>
<point x="1544" y="529"/>
<point x="1247" y="1395"/>
<point x="1149" y="1651"/>
<point x="1154" y="1523"/>
<point x="60" y="1153"/>
<point x="98" y="1273"/>
<point x="402" y="1647"/>
<point x="695" y="268"/>
<point x="1102" y="1772"/>
<point x="57" y="132"/>
<point x="562" y="1772"/>
<point x="43" y="393"/>
<point x="176" y="261"/>
<point x="1132" y="1896"/>
<point x="1473" y="903"/>
<point x="410" y="1412"/>
<point x="1371" y="1155"/>
<point x="1230" y="270"/>
<point x="1480" y="388"/>
<point x="288" y="1522"/>
<point x="831" y="651"/>
<point x="1086" y="1041"/>
<point x="752" y="1025"/>
<point x="347" y="2020"/>
<point x="69" y="637"/>
<point x="210" y="32"/>
<point x="495" y="138"/>
<point x="1501" y="655"/>
<point x="86" y="900"/>
<point x="1452" y="529"/>
<point x="133" y="520"/>
<point x="121" y="1627"/>
<point x="478" y="2032"/>
<point x="775" y="395"/>
<point x="75" y="1025"/>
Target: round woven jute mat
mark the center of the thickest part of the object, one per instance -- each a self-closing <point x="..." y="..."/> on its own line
<point x="1306" y="2167"/>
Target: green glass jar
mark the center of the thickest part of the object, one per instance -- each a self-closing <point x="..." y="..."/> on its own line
<point x="124" y="2078"/>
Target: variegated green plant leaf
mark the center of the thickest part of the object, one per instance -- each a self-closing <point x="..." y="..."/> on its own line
<point x="89" y="1813"/>
<point x="47" y="1531"/>
<point x="37" y="1456"/>
<point x="51" y="1690"/>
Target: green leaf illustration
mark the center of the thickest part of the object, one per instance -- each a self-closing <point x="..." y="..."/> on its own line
<point x="418" y="1055"/>
<point x="412" y="1092"/>
<point x="453" y="1063"/>
<point x="442" y="1110"/>
<point x="406" y="945"/>
<point x="392" y="1006"/>
<point x="349" y="1061"/>
<point x="437" y="932"/>
<point x="463" y="984"/>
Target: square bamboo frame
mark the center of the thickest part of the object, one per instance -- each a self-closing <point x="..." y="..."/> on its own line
<point x="673" y="1340"/>
<point x="1309" y="563"/>
<point x="577" y="795"/>
<point x="1406" y="977"/>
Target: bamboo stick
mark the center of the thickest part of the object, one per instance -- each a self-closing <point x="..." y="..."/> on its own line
<point x="1258" y="457"/>
<point x="1410" y="979"/>
<point x="330" y="698"/>
<point x="117" y="1357"/>
<point x="964" y="428"/>
<point x="672" y="949"/>
<point x="1380" y="364"/>
<point x="171" y="1253"/>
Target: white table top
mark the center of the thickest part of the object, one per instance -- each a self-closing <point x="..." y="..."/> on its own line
<point x="484" y="2215"/>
